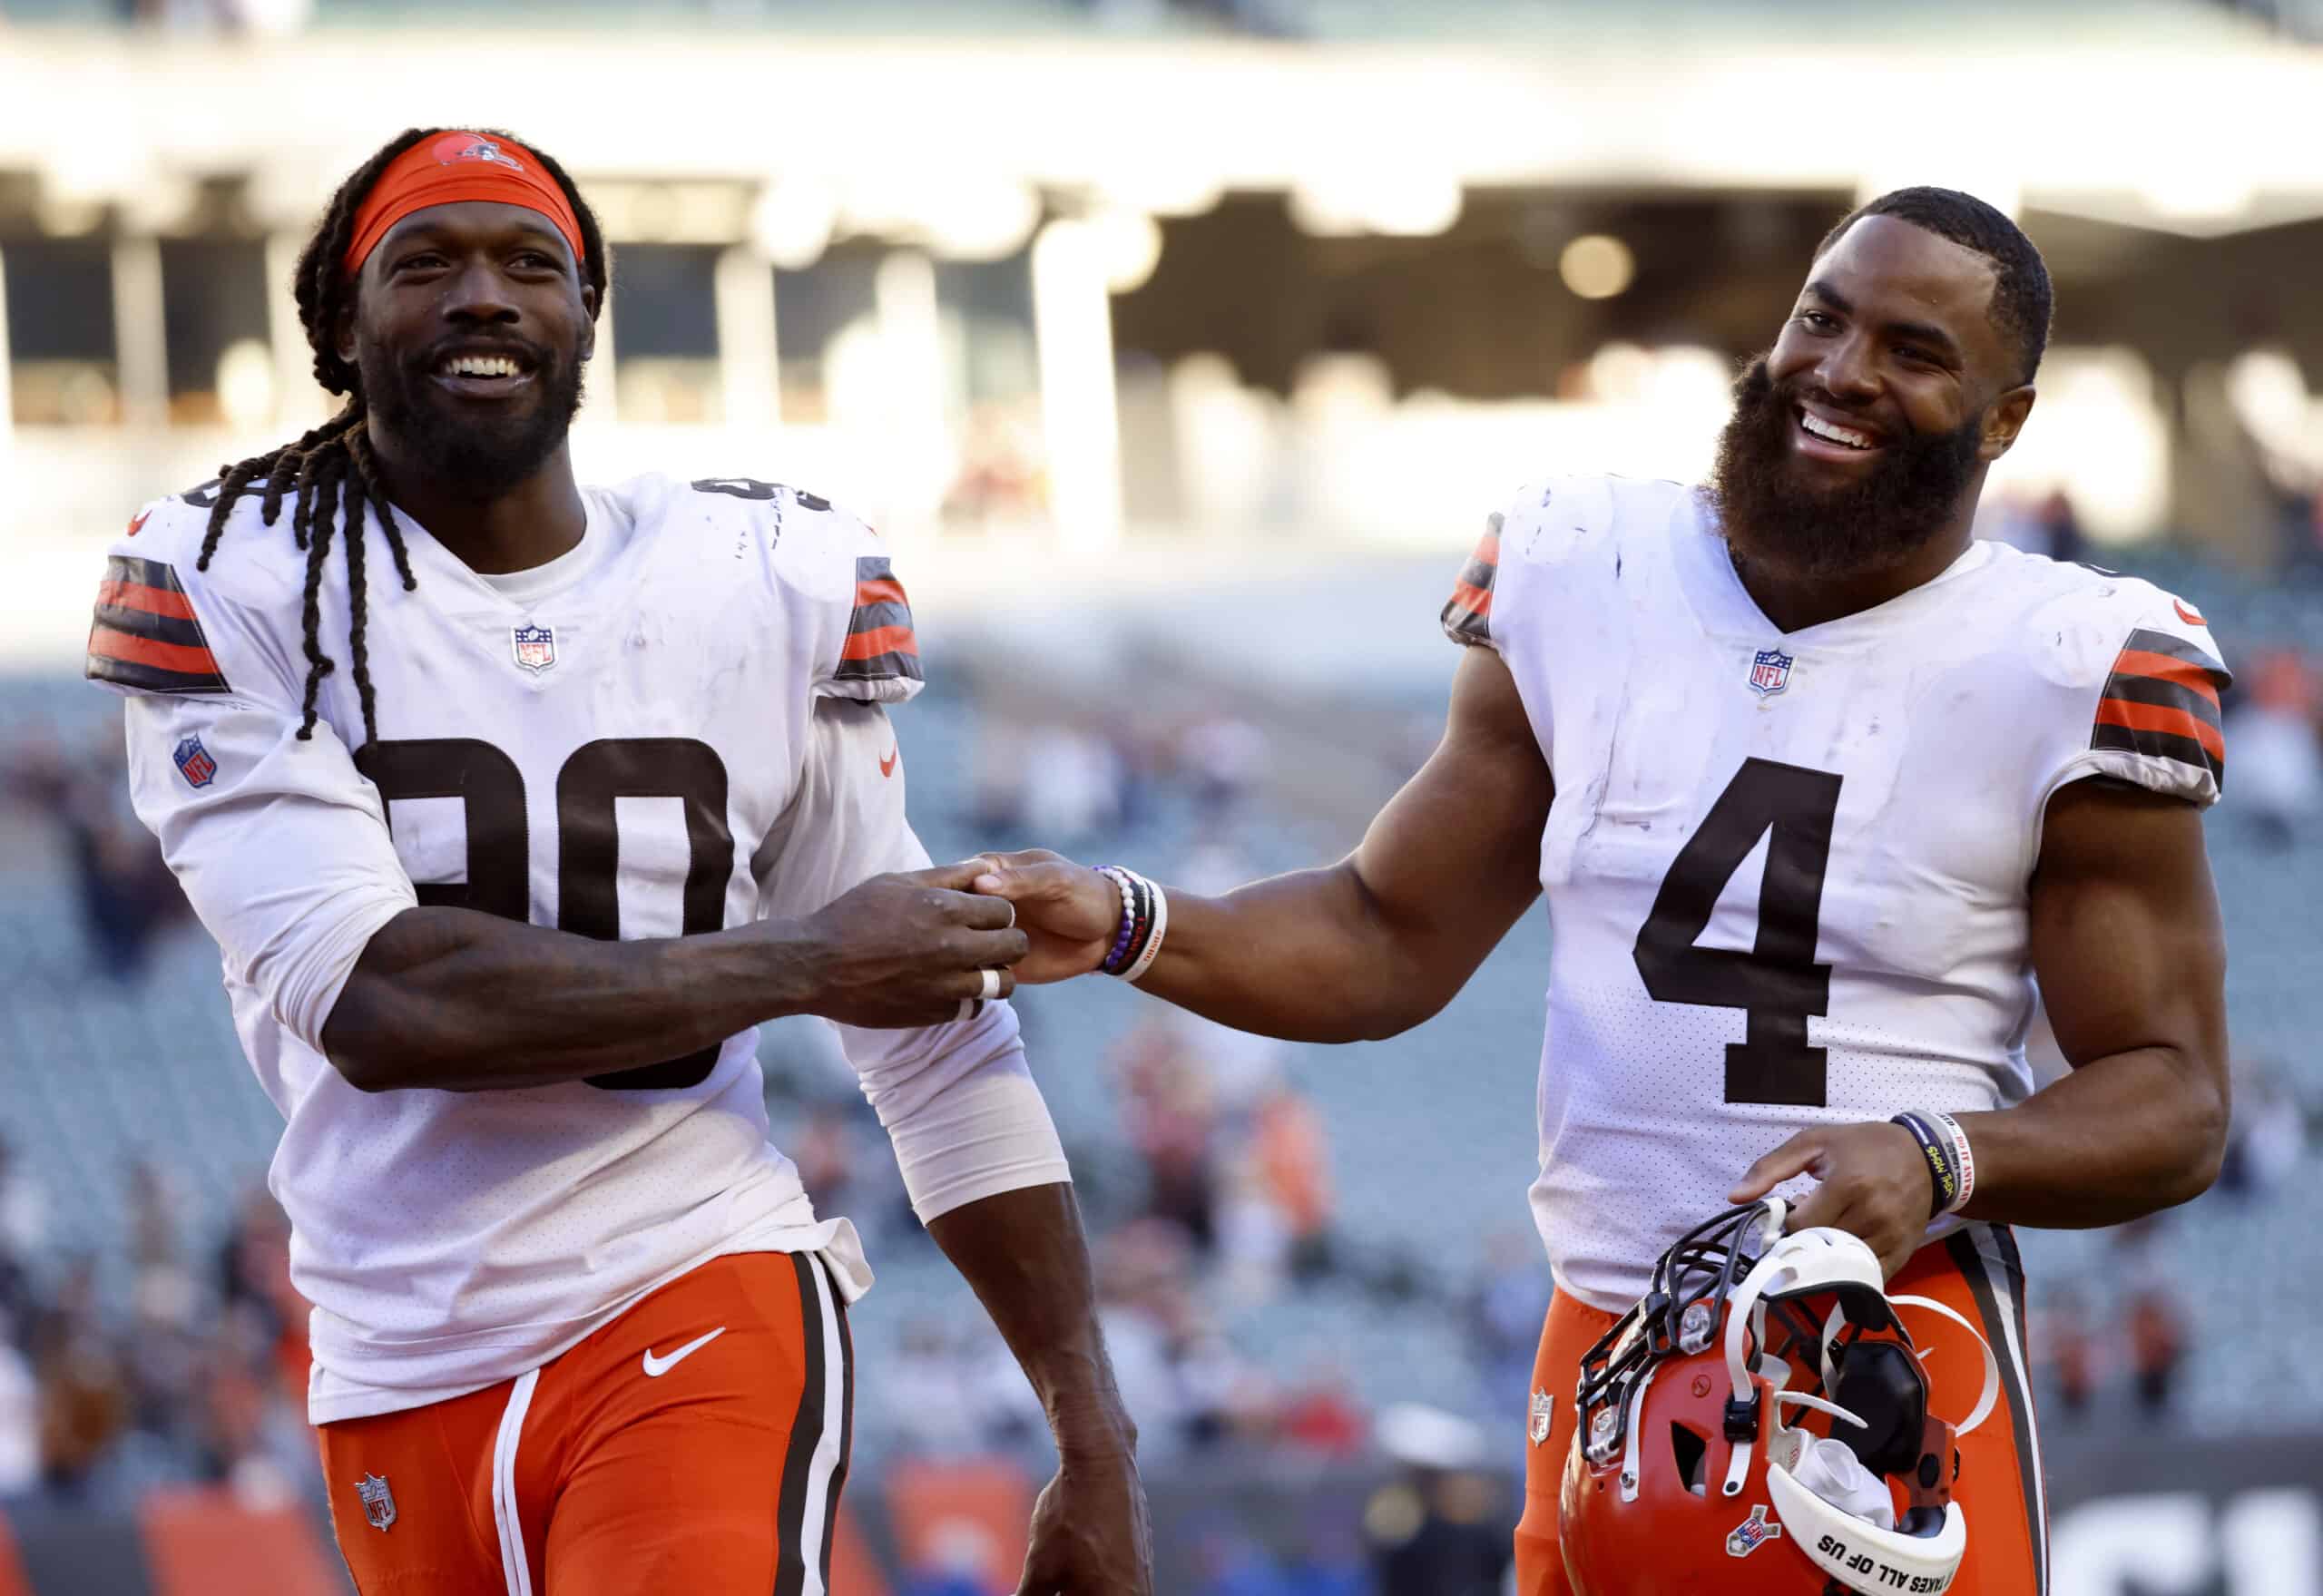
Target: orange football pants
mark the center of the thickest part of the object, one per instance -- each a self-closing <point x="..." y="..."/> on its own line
<point x="696" y="1444"/>
<point x="1977" y="1273"/>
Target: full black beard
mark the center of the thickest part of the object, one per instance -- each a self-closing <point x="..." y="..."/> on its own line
<point x="476" y="456"/>
<point x="1770" y="520"/>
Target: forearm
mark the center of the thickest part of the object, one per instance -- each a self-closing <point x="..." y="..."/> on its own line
<point x="1307" y="956"/>
<point x="462" y="1000"/>
<point x="1023" y="1253"/>
<point x="2116" y="1139"/>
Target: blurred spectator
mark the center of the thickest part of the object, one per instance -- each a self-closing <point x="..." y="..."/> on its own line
<point x="1321" y="1415"/>
<point x="84" y="1401"/>
<point x="824" y="1150"/>
<point x="2277" y="757"/>
<point x="127" y="895"/>
<point x="1505" y="1310"/>
<point x="1287" y="1146"/>
<point x="951" y="1565"/>
<point x="2049" y="526"/>
<point x="2063" y="1343"/>
<point x="1223" y="755"/>
<point x="1441" y="1532"/>
<point x="1165" y="1100"/>
<point x="2267" y="1136"/>
<point x="2157" y="1342"/>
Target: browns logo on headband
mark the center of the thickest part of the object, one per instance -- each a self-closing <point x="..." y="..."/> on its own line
<point x="451" y="167"/>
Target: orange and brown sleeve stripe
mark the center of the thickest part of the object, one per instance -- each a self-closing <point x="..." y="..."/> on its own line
<point x="1467" y="616"/>
<point x="145" y="634"/>
<point x="880" y="644"/>
<point x="2162" y="700"/>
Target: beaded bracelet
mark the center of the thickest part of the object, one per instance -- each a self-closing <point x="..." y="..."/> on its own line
<point x="1112" y="962"/>
<point x="1143" y="913"/>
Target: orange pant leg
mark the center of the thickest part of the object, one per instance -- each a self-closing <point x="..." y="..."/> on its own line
<point x="718" y="1475"/>
<point x="1571" y="1329"/>
<point x="2001" y="1493"/>
<point x="427" y="1473"/>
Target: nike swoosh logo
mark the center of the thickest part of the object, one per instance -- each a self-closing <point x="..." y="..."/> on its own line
<point x="655" y="1367"/>
<point x="887" y="763"/>
<point x="137" y="524"/>
<point x="2188" y="616"/>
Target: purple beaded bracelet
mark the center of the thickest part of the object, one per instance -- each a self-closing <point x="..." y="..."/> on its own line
<point x="1117" y="959"/>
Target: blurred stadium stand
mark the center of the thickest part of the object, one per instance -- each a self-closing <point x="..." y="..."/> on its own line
<point x="1192" y="338"/>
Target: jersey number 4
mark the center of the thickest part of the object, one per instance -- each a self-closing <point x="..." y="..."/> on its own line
<point x="1778" y="982"/>
<point x="491" y="791"/>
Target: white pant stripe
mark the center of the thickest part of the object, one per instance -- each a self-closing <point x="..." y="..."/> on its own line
<point x="514" y="1568"/>
<point x="825" y="1316"/>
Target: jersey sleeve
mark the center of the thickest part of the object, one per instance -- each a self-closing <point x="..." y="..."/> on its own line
<point x="860" y="618"/>
<point x="958" y="1100"/>
<point x="1467" y="613"/>
<point x="2155" y="717"/>
<point x="280" y="845"/>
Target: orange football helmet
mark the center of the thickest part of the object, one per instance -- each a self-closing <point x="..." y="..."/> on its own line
<point x="1684" y="1475"/>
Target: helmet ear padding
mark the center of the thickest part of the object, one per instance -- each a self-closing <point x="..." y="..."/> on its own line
<point x="1883" y="1384"/>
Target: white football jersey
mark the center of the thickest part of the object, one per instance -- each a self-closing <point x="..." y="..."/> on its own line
<point x="1787" y="873"/>
<point x="676" y="728"/>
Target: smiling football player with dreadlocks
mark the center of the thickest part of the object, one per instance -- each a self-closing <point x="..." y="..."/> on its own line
<point x="577" y="1326"/>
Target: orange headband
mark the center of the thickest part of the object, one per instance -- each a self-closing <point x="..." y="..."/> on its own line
<point x="455" y="166"/>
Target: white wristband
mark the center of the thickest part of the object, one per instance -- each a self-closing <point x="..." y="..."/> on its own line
<point x="1161" y="926"/>
<point x="1963" y="1157"/>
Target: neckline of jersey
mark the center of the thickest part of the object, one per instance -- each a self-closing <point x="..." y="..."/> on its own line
<point x="604" y="538"/>
<point x="1732" y="609"/>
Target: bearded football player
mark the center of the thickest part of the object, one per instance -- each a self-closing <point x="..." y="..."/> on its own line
<point x="1818" y="787"/>
<point x="605" y="781"/>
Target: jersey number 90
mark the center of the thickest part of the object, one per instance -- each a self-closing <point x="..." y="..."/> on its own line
<point x="491" y="791"/>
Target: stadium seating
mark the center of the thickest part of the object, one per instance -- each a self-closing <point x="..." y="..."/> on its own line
<point x="1427" y="1133"/>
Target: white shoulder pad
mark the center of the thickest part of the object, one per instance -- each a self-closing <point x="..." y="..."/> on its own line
<point x="1546" y="522"/>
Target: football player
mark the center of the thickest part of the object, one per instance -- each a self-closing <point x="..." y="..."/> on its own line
<point x="607" y="781"/>
<point x="1819" y="787"/>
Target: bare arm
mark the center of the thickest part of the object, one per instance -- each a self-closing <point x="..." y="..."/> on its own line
<point x="1024" y="1254"/>
<point x="2132" y="959"/>
<point x="1364" y="948"/>
<point x="459" y="1000"/>
<point x="2126" y="940"/>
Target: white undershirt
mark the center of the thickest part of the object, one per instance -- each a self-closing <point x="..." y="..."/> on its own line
<point x="601" y="536"/>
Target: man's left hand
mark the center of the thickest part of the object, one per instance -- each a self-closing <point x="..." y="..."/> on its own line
<point x="1872" y="1181"/>
<point x="1090" y="1533"/>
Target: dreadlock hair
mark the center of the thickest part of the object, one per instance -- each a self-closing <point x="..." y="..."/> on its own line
<point x="330" y="471"/>
<point x="2022" y="300"/>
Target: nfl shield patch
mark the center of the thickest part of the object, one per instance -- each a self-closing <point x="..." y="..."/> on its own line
<point x="535" y="647"/>
<point x="1544" y="1406"/>
<point x="380" y="1501"/>
<point x="1769" y="672"/>
<point x="1751" y="1534"/>
<point x="195" y="762"/>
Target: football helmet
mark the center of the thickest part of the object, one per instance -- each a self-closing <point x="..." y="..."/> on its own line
<point x="1695" y="1466"/>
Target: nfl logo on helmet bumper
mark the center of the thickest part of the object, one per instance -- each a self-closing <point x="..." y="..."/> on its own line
<point x="534" y="647"/>
<point x="1769" y="672"/>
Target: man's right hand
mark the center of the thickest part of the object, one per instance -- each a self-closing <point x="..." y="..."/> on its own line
<point x="905" y="949"/>
<point x="1070" y="913"/>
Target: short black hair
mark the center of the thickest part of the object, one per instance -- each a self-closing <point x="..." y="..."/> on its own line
<point x="2022" y="299"/>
